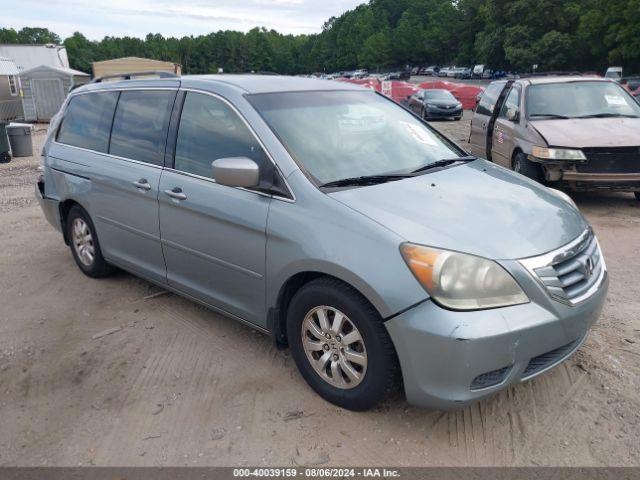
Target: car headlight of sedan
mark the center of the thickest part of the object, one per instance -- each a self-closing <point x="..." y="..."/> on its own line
<point x="460" y="281"/>
<point x="558" y="153"/>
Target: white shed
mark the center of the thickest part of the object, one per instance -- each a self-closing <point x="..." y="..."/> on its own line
<point x="45" y="89"/>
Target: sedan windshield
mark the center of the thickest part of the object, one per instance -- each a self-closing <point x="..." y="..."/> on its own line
<point x="336" y="135"/>
<point x="439" y="95"/>
<point x="580" y="100"/>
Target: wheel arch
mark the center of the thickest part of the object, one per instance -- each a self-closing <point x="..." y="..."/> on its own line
<point x="277" y="313"/>
<point x="65" y="207"/>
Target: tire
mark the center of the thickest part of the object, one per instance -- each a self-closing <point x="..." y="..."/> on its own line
<point x="457" y="119"/>
<point x="637" y="194"/>
<point x="375" y="363"/>
<point x="521" y="164"/>
<point x="84" y="245"/>
<point x="423" y="114"/>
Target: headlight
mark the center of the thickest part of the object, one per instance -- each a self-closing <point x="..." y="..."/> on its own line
<point x="557" y="153"/>
<point x="460" y="281"/>
<point x="431" y="105"/>
<point x="563" y="196"/>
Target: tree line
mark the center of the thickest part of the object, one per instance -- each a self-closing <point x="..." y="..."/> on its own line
<point x="585" y="35"/>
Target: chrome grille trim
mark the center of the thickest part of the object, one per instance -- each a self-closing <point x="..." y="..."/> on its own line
<point x="572" y="273"/>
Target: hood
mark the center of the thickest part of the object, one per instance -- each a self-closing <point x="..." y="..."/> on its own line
<point x="478" y="208"/>
<point x="590" y="132"/>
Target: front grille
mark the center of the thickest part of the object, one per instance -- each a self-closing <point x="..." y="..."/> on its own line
<point x="489" y="379"/>
<point x="571" y="272"/>
<point x="541" y="362"/>
<point x="610" y="160"/>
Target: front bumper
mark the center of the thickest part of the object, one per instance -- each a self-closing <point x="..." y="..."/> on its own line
<point x="443" y="353"/>
<point x="432" y="112"/>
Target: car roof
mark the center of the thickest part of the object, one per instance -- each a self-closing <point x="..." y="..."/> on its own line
<point x="247" y="83"/>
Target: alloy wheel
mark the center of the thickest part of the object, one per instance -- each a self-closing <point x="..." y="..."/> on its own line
<point x="83" y="241"/>
<point x="334" y="347"/>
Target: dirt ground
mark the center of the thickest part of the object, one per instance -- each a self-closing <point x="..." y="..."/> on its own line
<point x="180" y="385"/>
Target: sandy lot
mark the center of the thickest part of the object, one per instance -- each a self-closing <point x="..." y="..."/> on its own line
<point x="180" y="385"/>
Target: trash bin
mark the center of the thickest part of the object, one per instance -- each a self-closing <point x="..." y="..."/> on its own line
<point x="4" y="144"/>
<point x="20" y="139"/>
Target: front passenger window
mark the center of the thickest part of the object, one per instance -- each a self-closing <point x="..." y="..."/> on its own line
<point x="210" y="129"/>
<point x="512" y="102"/>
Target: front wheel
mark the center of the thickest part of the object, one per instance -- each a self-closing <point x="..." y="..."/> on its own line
<point x="340" y="345"/>
<point x="522" y="165"/>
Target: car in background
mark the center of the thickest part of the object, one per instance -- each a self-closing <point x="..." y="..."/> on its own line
<point x="477" y="71"/>
<point x="487" y="74"/>
<point x="451" y="73"/>
<point x="578" y="132"/>
<point x="361" y="73"/>
<point x="614" y="73"/>
<point x="435" y="104"/>
<point x="444" y="72"/>
<point x="463" y="73"/>
<point x="432" y="70"/>
<point x="398" y="75"/>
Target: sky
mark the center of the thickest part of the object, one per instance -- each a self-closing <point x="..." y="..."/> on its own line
<point x="135" y="18"/>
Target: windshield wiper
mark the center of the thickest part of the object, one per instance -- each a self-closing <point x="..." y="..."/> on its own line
<point x="443" y="162"/>
<point x="365" y="180"/>
<point x="608" y="115"/>
<point x="550" y="115"/>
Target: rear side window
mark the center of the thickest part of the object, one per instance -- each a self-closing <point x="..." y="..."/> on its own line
<point x="209" y="130"/>
<point x="87" y="121"/>
<point x="140" y="125"/>
<point x="489" y="98"/>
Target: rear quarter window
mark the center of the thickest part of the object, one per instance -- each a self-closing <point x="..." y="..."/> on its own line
<point x="87" y="121"/>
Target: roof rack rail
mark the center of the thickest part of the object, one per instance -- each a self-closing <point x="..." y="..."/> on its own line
<point x="550" y="74"/>
<point x="128" y="76"/>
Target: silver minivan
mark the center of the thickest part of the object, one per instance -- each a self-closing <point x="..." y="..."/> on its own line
<point x="333" y="219"/>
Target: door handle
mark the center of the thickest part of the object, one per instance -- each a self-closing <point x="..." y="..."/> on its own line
<point x="142" y="184"/>
<point x="176" y="193"/>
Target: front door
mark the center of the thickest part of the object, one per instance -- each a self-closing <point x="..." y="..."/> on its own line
<point x="481" y="119"/>
<point x="503" y="130"/>
<point x="214" y="236"/>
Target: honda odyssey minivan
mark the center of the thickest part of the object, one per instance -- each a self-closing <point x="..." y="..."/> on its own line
<point x="333" y="219"/>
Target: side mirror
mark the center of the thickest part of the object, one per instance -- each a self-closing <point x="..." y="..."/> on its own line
<point x="512" y="115"/>
<point x="236" y="172"/>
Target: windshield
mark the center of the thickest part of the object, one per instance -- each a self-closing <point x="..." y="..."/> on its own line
<point x="580" y="99"/>
<point x="335" y="135"/>
<point x="438" y="95"/>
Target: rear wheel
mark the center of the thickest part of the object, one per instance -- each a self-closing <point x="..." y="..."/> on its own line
<point x="84" y="244"/>
<point x="522" y="165"/>
<point x="340" y="345"/>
